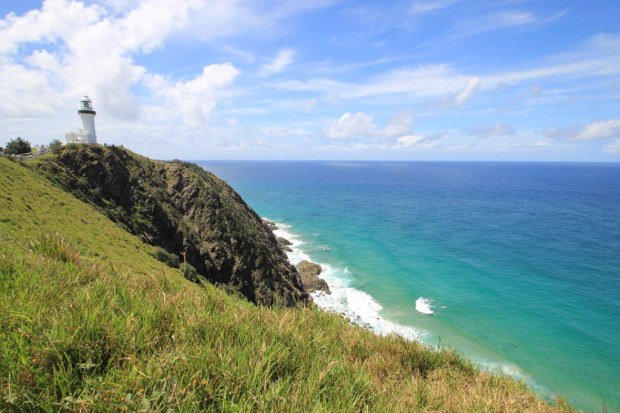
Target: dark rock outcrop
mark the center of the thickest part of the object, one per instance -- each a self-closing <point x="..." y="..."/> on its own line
<point x="310" y="272"/>
<point x="284" y="244"/>
<point x="283" y="241"/>
<point x="185" y="210"/>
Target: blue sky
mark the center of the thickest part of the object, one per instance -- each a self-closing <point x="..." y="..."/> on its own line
<point x="327" y="79"/>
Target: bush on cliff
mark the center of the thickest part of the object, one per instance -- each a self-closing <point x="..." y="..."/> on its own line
<point x="171" y="260"/>
<point x="55" y="146"/>
<point x="17" y="146"/>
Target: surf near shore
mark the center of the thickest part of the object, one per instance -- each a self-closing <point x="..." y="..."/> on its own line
<point x="337" y="295"/>
<point x="330" y="288"/>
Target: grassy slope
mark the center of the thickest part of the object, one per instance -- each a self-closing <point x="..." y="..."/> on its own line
<point x="90" y="321"/>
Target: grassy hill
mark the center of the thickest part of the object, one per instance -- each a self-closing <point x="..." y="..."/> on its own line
<point x="90" y="321"/>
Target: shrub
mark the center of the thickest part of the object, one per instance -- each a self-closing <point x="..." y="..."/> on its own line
<point x="189" y="272"/>
<point x="55" y="146"/>
<point x="166" y="257"/>
<point x="17" y="146"/>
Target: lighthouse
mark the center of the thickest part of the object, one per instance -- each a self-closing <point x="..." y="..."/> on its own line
<point x="87" y="134"/>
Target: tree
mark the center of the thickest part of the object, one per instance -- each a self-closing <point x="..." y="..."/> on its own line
<point x="17" y="146"/>
<point x="55" y="146"/>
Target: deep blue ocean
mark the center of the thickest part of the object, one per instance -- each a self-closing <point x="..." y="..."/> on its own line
<point x="521" y="260"/>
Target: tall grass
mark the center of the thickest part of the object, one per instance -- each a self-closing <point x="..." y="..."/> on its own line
<point x="76" y="336"/>
<point x="55" y="246"/>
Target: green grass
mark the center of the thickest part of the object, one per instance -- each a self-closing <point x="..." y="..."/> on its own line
<point x="92" y="322"/>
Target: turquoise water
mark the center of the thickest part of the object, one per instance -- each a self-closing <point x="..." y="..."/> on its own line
<point x="521" y="260"/>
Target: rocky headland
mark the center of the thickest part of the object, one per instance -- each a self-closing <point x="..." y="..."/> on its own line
<point x="188" y="212"/>
<point x="309" y="273"/>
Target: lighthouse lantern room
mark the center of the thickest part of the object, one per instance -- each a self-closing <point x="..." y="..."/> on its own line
<point x="87" y="134"/>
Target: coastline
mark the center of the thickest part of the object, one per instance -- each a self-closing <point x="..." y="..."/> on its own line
<point x="512" y="300"/>
<point x="361" y="309"/>
<point x="356" y="306"/>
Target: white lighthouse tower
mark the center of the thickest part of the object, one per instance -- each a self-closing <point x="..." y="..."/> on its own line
<point x="87" y="134"/>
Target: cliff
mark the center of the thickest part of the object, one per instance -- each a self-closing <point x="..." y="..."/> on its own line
<point x="186" y="211"/>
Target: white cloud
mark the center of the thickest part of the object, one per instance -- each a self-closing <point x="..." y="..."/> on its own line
<point x="467" y="92"/>
<point x="195" y="99"/>
<point x="361" y="125"/>
<point x="408" y="141"/>
<point x="350" y="125"/>
<point x="279" y="63"/>
<point x="597" y="57"/>
<point x="87" y="51"/>
<point x="592" y="131"/>
<point x="426" y="82"/>
<point x="600" y="130"/>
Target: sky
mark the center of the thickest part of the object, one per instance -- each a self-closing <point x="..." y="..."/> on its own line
<point x="504" y="80"/>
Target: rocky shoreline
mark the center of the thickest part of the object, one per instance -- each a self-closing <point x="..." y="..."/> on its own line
<point x="308" y="271"/>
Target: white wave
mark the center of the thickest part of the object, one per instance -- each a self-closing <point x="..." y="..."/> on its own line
<point x="357" y="306"/>
<point x="297" y="255"/>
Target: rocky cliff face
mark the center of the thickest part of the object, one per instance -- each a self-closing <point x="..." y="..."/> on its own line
<point x="185" y="210"/>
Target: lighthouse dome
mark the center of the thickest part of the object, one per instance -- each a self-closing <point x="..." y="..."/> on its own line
<point x="86" y="103"/>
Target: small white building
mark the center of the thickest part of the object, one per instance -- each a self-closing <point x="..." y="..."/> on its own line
<point x="87" y="134"/>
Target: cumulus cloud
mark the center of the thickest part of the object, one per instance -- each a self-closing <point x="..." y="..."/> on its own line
<point x="592" y="131"/>
<point x="352" y="124"/>
<point x="361" y="125"/>
<point x="80" y="49"/>
<point x="194" y="99"/>
<point x="283" y="59"/>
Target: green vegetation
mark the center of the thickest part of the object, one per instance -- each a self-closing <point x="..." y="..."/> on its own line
<point x="166" y="257"/>
<point x="17" y="146"/>
<point x="91" y="321"/>
<point x="184" y="210"/>
<point x="55" y="146"/>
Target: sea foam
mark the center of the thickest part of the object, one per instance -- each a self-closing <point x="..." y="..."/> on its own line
<point x="357" y="306"/>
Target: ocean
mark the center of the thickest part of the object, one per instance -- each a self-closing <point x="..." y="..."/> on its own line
<point x="520" y="260"/>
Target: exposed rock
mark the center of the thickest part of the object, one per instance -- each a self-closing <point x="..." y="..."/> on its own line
<point x="309" y="272"/>
<point x="185" y="210"/>
<point x="284" y="241"/>
<point x="270" y="224"/>
<point x="284" y="244"/>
